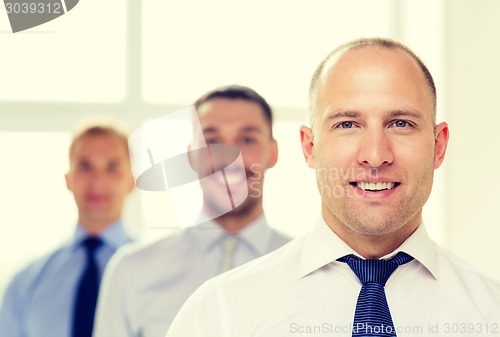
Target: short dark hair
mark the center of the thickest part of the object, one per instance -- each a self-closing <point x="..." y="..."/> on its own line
<point x="366" y="42"/>
<point x="235" y="91"/>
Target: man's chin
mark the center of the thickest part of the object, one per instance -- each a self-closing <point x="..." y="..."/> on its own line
<point x="98" y="215"/>
<point x="244" y="208"/>
<point x="376" y="227"/>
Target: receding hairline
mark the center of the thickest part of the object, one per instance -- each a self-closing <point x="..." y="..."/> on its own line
<point x="364" y="43"/>
<point x="98" y="131"/>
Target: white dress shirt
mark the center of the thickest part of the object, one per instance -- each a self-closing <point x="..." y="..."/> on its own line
<point x="301" y="290"/>
<point x="145" y="286"/>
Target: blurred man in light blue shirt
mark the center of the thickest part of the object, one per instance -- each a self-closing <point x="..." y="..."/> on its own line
<point x="41" y="300"/>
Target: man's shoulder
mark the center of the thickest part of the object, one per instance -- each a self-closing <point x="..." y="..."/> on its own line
<point x="278" y="238"/>
<point x="273" y="267"/>
<point x="247" y="284"/>
<point x="160" y="249"/>
<point x="468" y="282"/>
<point x="31" y="273"/>
<point x="463" y="269"/>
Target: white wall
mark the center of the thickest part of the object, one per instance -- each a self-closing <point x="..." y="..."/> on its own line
<point x="473" y="162"/>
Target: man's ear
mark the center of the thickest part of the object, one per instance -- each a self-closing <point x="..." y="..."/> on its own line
<point x="132" y="183"/>
<point x="441" y="143"/>
<point x="307" y="142"/>
<point x="274" y="153"/>
<point x="68" y="181"/>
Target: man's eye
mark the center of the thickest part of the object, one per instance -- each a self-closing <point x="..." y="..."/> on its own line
<point x="401" y="124"/>
<point x="346" y="125"/>
<point x="247" y="140"/>
<point x="83" y="166"/>
<point x="113" y="168"/>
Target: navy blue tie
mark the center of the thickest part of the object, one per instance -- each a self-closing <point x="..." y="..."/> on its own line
<point x="372" y="316"/>
<point x="86" y="292"/>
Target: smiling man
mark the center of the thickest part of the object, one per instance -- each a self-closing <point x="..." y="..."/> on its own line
<point x="145" y="286"/>
<point x="376" y="108"/>
<point x="368" y="267"/>
<point x="228" y="118"/>
<point x="56" y="295"/>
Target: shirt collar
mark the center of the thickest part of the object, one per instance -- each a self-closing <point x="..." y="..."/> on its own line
<point x="256" y="235"/>
<point x="322" y="246"/>
<point x="422" y="248"/>
<point x="113" y="236"/>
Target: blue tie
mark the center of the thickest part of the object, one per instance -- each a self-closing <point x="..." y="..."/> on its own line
<point x="87" y="291"/>
<point x="372" y="316"/>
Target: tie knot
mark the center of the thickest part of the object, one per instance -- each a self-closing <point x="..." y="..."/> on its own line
<point x="91" y="244"/>
<point x="375" y="271"/>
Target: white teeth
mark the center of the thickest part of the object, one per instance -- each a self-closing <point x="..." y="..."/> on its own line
<point x="375" y="186"/>
<point x="231" y="178"/>
<point x="234" y="178"/>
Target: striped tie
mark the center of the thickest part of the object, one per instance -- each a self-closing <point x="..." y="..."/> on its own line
<point x="372" y="316"/>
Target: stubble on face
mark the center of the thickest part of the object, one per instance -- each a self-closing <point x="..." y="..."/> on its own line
<point x="242" y="124"/>
<point x="345" y="208"/>
<point x="212" y="197"/>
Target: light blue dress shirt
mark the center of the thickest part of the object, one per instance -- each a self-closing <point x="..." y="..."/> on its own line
<point x="39" y="300"/>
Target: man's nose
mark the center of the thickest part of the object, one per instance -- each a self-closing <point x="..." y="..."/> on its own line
<point x="375" y="149"/>
<point x="99" y="177"/>
<point x="222" y="155"/>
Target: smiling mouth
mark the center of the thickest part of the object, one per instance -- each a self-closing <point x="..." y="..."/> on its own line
<point x="231" y="178"/>
<point x="375" y="187"/>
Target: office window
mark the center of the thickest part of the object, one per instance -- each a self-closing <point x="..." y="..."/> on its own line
<point x="78" y="57"/>
<point x="38" y="212"/>
<point x="192" y="46"/>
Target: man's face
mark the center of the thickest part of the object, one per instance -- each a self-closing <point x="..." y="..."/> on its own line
<point x="242" y="124"/>
<point x="374" y="147"/>
<point x="100" y="178"/>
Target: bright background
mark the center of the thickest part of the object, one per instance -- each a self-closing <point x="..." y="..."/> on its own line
<point x="137" y="60"/>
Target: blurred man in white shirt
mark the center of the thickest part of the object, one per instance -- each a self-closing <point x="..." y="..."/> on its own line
<point x="145" y="286"/>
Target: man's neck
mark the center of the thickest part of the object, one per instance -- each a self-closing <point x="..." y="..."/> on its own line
<point x="373" y="246"/>
<point x="233" y="222"/>
<point x="95" y="227"/>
